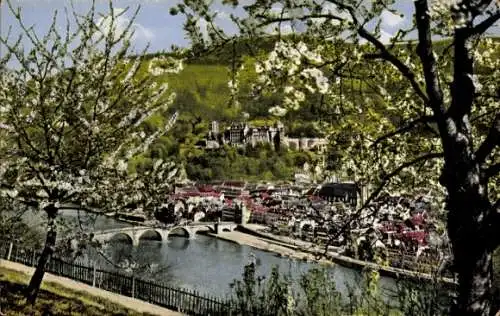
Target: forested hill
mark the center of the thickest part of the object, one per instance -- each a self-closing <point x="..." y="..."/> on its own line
<point x="203" y="95"/>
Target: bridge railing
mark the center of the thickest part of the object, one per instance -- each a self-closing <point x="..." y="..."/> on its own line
<point x="133" y="228"/>
<point x="183" y="300"/>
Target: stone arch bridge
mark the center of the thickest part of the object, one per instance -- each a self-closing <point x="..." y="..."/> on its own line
<point x="136" y="233"/>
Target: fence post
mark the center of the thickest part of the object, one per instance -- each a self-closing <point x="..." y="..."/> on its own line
<point x="10" y="251"/>
<point x="33" y="260"/>
<point x="94" y="275"/>
<point x="133" y="286"/>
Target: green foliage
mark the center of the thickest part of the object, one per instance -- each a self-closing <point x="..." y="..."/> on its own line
<point x="251" y="163"/>
<point x="304" y="129"/>
<point x="354" y="105"/>
<point x="426" y="299"/>
<point x="320" y="292"/>
<point x="253" y="296"/>
<point x="316" y="294"/>
<point x="203" y="95"/>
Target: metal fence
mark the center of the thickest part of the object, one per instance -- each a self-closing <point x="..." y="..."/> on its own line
<point x="186" y="301"/>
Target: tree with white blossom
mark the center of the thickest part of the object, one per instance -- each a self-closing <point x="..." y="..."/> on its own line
<point x="74" y="110"/>
<point x="429" y="116"/>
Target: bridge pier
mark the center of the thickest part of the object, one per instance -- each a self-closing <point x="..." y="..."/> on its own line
<point x="135" y="241"/>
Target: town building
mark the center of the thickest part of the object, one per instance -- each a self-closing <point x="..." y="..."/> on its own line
<point x="339" y="192"/>
<point x="242" y="134"/>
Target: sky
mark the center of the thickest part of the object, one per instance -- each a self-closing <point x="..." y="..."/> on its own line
<point x="154" y="24"/>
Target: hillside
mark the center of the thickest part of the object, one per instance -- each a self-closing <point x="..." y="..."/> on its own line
<point x="53" y="299"/>
<point x="203" y="95"/>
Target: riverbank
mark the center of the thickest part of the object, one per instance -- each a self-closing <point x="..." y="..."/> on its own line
<point x="299" y="250"/>
<point x="280" y="249"/>
<point x="60" y="294"/>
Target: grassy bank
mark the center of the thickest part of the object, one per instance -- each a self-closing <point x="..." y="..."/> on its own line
<point x="52" y="300"/>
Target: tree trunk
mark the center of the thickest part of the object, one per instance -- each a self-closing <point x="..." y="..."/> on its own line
<point x="474" y="269"/>
<point x="48" y="250"/>
<point x="468" y="216"/>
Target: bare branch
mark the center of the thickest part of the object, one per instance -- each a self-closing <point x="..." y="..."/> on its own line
<point x="426" y="54"/>
<point x="405" y="128"/>
<point x="492" y="140"/>
<point x="474" y="7"/>
<point x="386" y="55"/>
<point x="492" y="171"/>
<point x="384" y="51"/>
<point x="481" y="116"/>
<point x="268" y="20"/>
<point x="484" y="25"/>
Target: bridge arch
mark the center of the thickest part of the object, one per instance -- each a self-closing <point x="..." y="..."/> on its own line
<point x="179" y="231"/>
<point x="122" y="236"/>
<point x="151" y="234"/>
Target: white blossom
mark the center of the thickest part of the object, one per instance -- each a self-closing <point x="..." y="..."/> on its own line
<point x="75" y="133"/>
<point x="277" y="111"/>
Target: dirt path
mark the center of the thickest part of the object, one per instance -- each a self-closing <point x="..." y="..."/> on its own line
<point x="125" y="301"/>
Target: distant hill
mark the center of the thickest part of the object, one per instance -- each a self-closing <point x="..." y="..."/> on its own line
<point x="203" y="95"/>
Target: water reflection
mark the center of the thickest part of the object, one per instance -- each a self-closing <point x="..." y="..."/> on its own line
<point x="178" y="243"/>
<point x="121" y="238"/>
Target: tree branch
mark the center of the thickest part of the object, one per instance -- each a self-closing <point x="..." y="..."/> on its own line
<point x="427" y="58"/>
<point x="492" y="140"/>
<point x="475" y="7"/>
<point x="493" y="225"/>
<point x="270" y="20"/>
<point x="486" y="114"/>
<point x="492" y="171"/>
<point x="384" y="51"/>
<point x="386" y="55"/>
<point x="484" y="25"/>
<point x="405" y="128"/>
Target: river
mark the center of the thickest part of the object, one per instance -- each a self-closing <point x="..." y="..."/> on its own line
<point x="203" y="263"/>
